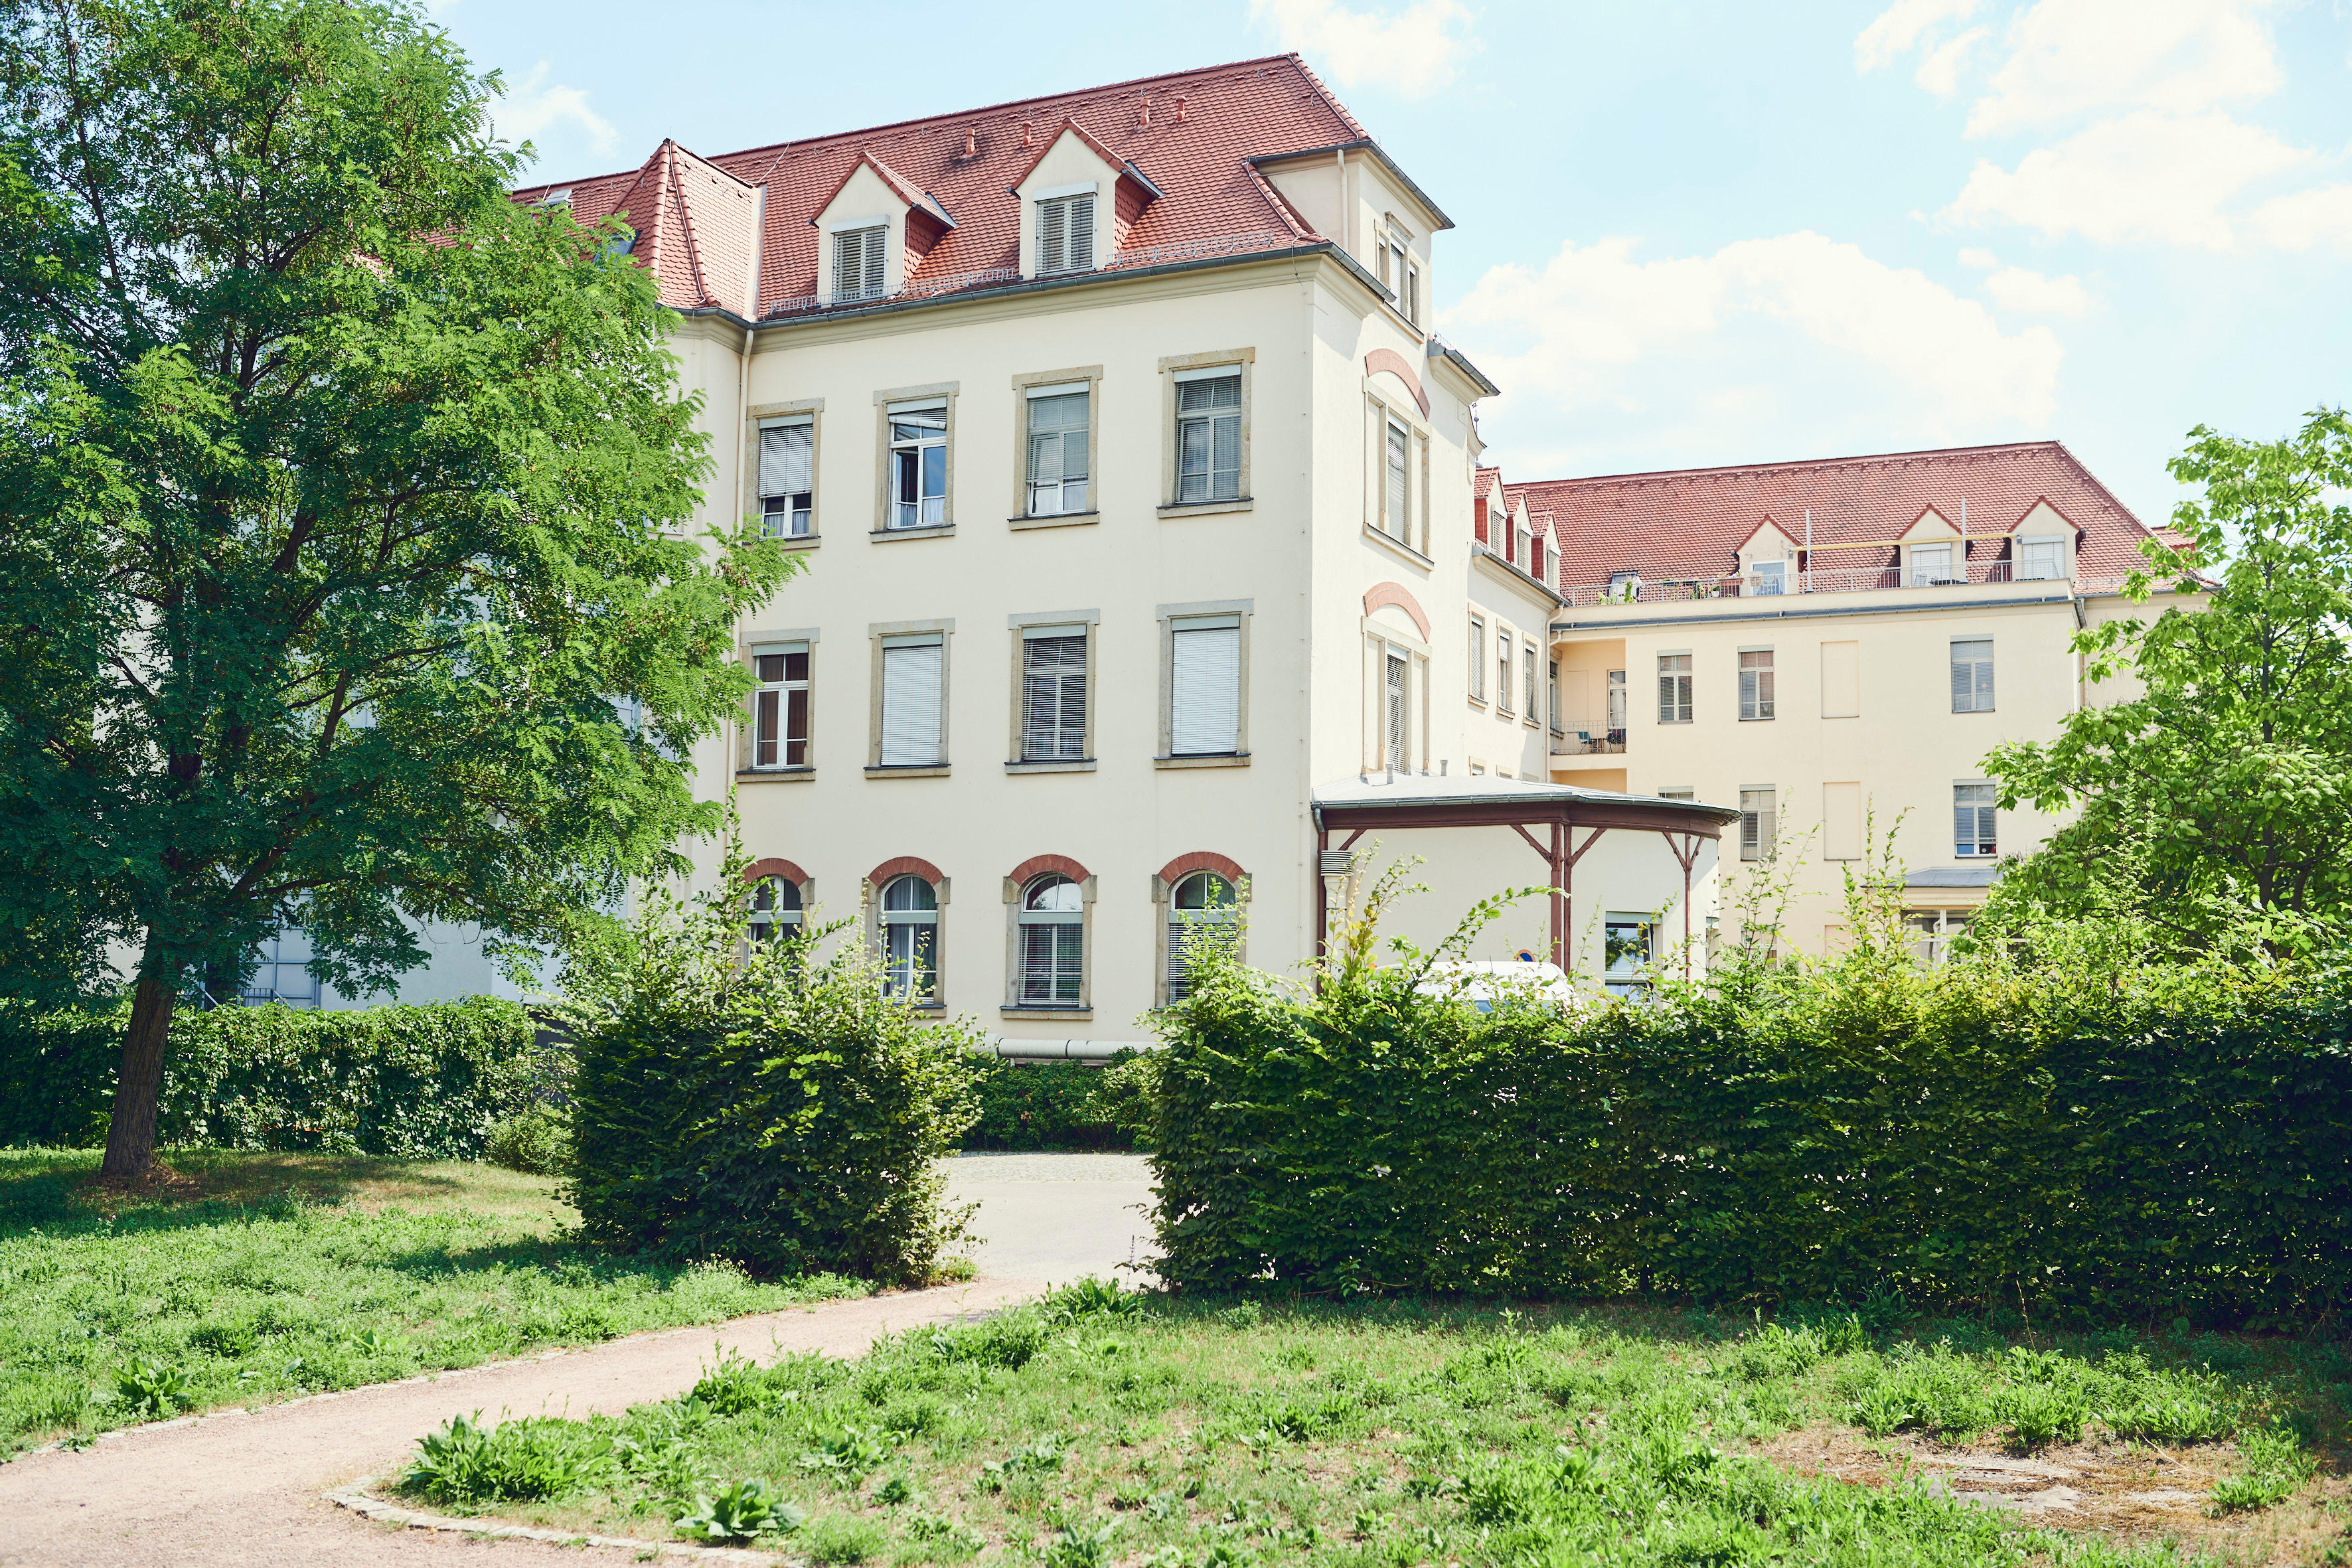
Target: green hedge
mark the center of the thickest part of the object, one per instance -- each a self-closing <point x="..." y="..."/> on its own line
<point x="2066" y="1133"/>
<point x="414" y="1083"/>
<point x="781" y="1114"/>
<point x="1062" y="1105"/>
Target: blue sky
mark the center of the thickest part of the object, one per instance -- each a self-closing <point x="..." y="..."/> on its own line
<point x="1688" y="233"/>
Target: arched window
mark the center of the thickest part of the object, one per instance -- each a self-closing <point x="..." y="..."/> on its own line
<point x="775" y="909"/>
<point x="1053" y="942"/>
<point x="910" y="937"/>
<point x="1201" y="909"/>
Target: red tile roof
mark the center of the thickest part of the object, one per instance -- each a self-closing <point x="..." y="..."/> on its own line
<point x="1690" y="522"/>
<point x="1232" y="113"/>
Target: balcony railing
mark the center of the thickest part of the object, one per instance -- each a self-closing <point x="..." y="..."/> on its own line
<point x="1756" y="586"/>
<point x="1579" y="737"/>
<point x="1200" y="249"/>
<point x="916" y="289"/>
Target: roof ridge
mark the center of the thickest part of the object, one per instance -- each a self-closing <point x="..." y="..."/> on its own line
<point x="870" y="130"/>
<point x="1853" y="461"/>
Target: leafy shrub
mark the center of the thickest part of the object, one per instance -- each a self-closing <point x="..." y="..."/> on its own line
<point x="2276" y="1465"/>
<point x="536" y="1139"/>
<point x="1008" y="1339"/>
<point x="843" y="1539"/>
<point x="739" y="1512"/>
<point x="778" y="1112"/>
<point x="539" y="1457"/>
<point x="153" y="1387"/>
<point x="413" y="1083"/>
<point x="2056" y="1123"/>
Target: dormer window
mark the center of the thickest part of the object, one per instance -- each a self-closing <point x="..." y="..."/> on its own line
<point x="1065" y="234"/>
<point x="2041" y="560"/>
<point x="1399" y="274"/>
<point x="1931" y="564"/>
<point x="858" y="262"/>
<point x="1768" y="576"/>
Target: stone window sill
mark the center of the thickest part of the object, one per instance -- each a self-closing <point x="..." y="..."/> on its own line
<point x="774" y="775"/>
<point x="1399" y="547"/>
<point x="1058" y="519"/>
<point x="907" y="771"/>
<point x="1227" y="760"/>
<point x="1206" y="508"/>
<point x="1046" y="1015"/>
<point x="1073" y="765"/>
<point x="929" y="530"/>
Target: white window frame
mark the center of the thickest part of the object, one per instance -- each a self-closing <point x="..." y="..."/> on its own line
<point x="1979" y="803"/>
<point x="1019" y="997"/>
<point x="1062" y="218"/>
<point x="1396" y="479"/>
<point x="1479" y="660"/>
<point x="1209" y="418"/>
<point x="915" y="415"/>
<point x="886" y="636"/>
<point x="1531" y="704"/>
<point x="1676" y="700"/>
<point x="1504" y="641"/>
<point x="1633" y="979"/>
<point x="1758" y="686"/>
<point x="764" y="921"/>
<point x="874" y="262"/>
<point x="1760" y="811"/>
<point x="773" y="698"/>
<point x="1174" y="920"/>
<point x="2055" y="544"/>
<point x="1768" y="579"/>
<point x="1946" y="549"/>
<point x="887" y="921"/>
<point x="1979" y="698"/>
<point x="798" y="514"/>
<point x="1051" y="498"/>
<point x="1175" y="372"/>
<point x="1026" y="732"/>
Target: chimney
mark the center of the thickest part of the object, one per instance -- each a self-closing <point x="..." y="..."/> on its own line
<point x="1027" y="126"/>
<point x="1147" y="114"/>
<point x="970" y="143"/>
<point x="1179" y="108"/>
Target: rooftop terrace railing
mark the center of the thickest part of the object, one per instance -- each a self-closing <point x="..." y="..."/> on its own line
<point x="1207" y="248"/>
<point x="1851" y="580"/>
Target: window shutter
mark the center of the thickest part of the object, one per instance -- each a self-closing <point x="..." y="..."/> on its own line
<point x="1395" y="519"/>
<point x="1204" y="708"/>
<point x="874" y="260"/>
<point x="1053" y="236"/>
<point x="910" y="705"/>
<point x="1081" y="233"/>
<point x="1398" y="757"/>
<point x="848" y="263"/>
<point x="787" y="454"/>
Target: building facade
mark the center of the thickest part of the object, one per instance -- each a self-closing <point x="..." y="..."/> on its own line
<point x="1136" y="503"/>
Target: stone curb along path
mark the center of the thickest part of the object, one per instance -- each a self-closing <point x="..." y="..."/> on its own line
<point x="249" y="1488"/>
<point x="358" y="1500"/>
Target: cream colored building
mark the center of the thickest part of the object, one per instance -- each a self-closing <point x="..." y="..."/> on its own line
<point x="1833" y="647"/>
<point x="1136" y="502"/>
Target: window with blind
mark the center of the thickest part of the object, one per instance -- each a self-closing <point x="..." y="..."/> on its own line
<point x="1502" y="671"/>
<point x="1972" y="676"/>
<point x="1396" y="491"/>
<point x="1053" y="932"/>
<point x="914" y="684"/>
<point x="1205" y="677"/>
<point x="1203" y="910"/>
<point x="1478" y="659"/>
<point x="1674" y="688"/>
<point x="1396" y="712"/>
<point x="910" y="939"/>
<point x="1527" y="681"/>
<point x="780" y="706"/>
<point x="1059" y="417"/>
<point x="1065" y="234"/>
<point x="918" y="464"/>
<point x="1756" y="813"/>
<point x="1054" y="694"/>
<point x="858" y="270"/>
<point x="1209" y="435"/>
<point x="1755" y="683"/>
<point x="1551" y="694"/>
<point x="775" y="909"/>
<point x="1974" y="834"/>
<point x="788" y="477"/>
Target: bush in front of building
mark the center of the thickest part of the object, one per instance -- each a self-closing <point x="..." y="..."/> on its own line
<point x="423" y="1082"/>
<point x="778" y="1112"/>
<point x="1064" y="1105"/>
<point x="2051" y="1125"/>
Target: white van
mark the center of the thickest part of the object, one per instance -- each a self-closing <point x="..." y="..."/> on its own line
<point x="1483" y="982"/>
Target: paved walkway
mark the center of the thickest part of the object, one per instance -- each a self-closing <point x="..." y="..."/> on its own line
<point x="243" y="1489"/>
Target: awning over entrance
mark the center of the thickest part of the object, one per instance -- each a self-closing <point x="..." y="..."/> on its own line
<point x="1560" y="822"/>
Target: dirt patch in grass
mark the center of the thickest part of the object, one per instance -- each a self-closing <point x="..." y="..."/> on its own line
<point x="2136" y="1492"/>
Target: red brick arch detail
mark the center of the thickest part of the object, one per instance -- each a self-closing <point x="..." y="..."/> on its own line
<point x="1396" y="594"/>
<point x="1038" y="865"/>
<point x="1183" y="865"/>
<point x="1393" y="363"/>
<point x="901" y="865"/>
<point x="760" y="870"/>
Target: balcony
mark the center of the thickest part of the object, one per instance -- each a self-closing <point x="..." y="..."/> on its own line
<point x="1849" y="580"/>
<point x="1578" y="738"/>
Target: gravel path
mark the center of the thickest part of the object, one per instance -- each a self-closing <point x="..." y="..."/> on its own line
<point x="244" y="1487"/>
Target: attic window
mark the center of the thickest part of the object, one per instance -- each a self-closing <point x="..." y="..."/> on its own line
<point x="1065" y="234"/>
<point x="555" y="198"/>
<point x="857" y="263"/>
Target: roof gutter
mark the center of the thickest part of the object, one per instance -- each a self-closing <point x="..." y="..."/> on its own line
<point x="1816" y="614"/>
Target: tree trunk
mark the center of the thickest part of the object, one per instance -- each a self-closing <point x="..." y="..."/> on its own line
<point x="139" y="1090"/>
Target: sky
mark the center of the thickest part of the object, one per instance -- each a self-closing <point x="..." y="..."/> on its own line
<point x="1687" y="233"/>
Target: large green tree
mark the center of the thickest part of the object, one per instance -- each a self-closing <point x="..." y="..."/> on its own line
<point x="343" y="581"/>
<point x="2216" y="803"/>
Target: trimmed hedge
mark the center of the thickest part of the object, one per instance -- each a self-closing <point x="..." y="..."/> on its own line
<point x="2075" y="1135"/>
<point x="1062" y="1105"/>
<point x="423" y="1082"/>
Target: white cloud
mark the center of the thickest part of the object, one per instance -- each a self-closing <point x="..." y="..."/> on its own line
<point x="2319" y="217"/>
<point x="1902" y="24"/>
<point x="1414" y="51"/>
<point x="2143" y="176"/>
<point x="2032" y="293"/>
<point x="2070" y="58"/>
<point x="1790" y="345"/>
<point x="1982" y="260"/>
<point x="1939" y="73"/>
<point x="528" y="113"/>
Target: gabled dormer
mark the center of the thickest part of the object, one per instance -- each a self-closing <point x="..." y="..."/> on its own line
<point x="1077" y="200"/>
<point x="874" y="230"/>
<point x="1768" y="559"/>
<point x="2042" y="545"/>
<point x="1932" y="550"/>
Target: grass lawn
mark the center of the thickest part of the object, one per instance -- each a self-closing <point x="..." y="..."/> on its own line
<point x="263" y="1277"/>
<point x="1099" y="1431"/>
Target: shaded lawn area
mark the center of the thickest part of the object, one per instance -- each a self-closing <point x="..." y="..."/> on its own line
<point x="257" y="1277"/>
<point x="1152" y="1433"/>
